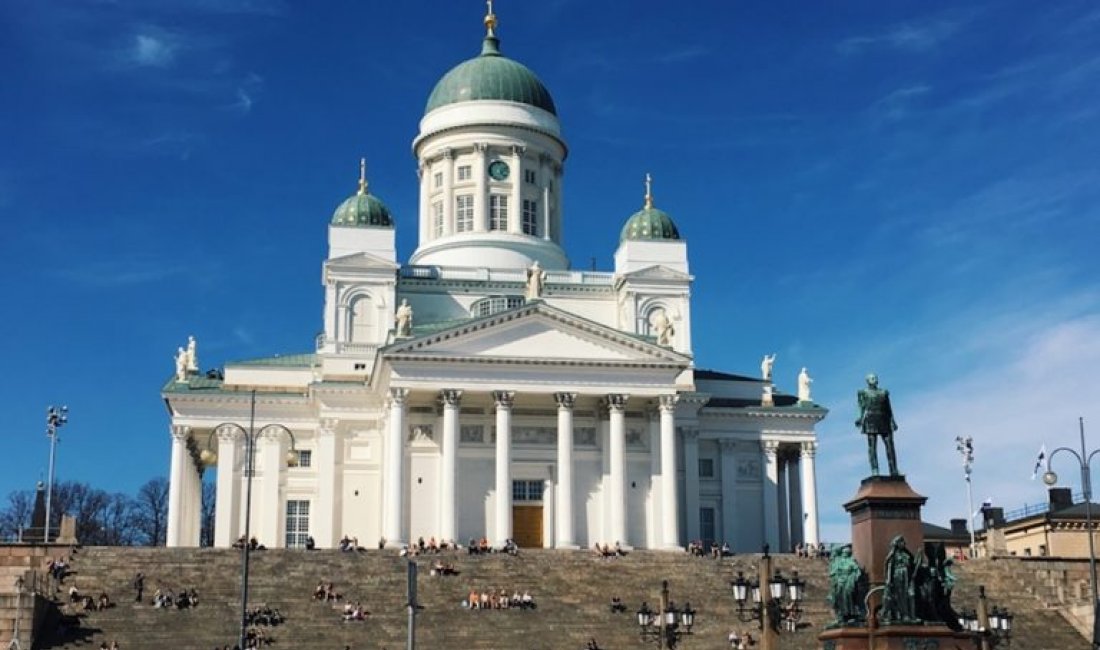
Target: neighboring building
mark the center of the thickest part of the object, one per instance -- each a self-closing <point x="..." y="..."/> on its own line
<point x="956" y="539"/>
<point x="486" y="389"/>
<point x="1056" y="529"/>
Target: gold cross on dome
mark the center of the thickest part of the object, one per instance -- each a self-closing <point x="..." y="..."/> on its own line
<point x="648" y="191"/>
<point x="362" y="175"/>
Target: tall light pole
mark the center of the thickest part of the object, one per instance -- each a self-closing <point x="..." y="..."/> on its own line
<point x="1051" y="479"/>
<point x="209" y="458"/>
<point x="55" y="419"/>
<point x="965" y="446"/>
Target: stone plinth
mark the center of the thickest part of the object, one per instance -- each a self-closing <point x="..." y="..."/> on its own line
<point x="894" y="637"/>
<point x="885" y="506"/>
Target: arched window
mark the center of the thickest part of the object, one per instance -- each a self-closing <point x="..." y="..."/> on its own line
<point x="361" y="327"/>
<point x="494" y="305"/>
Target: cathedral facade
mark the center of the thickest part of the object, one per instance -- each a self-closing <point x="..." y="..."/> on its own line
<point x="486" y="389"/>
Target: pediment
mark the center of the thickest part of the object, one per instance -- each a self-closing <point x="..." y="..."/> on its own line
<point x="656" y="272"/>
<point x="537" y="333"/>
<point x="358" y="262"/>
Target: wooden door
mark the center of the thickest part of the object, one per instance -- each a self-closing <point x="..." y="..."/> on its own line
<point x="527" y="526"/>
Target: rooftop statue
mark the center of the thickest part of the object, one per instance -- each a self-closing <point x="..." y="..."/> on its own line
<point x="876" y="419"/>
<point x="404" y="319"/>
<point x="536" y="281"/>
<point x="804" y="381"/>
<point x="192" y="355"/>
<point x="181" y="364"/>
<point x="766" y="366"/>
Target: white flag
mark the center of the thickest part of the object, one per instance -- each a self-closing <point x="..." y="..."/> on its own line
<point x="1039" y="461"/>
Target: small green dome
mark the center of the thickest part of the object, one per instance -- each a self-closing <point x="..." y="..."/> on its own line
<point x="363" y="209"/>
<point x="651" y="224"/>
<point x="491" y="76"/>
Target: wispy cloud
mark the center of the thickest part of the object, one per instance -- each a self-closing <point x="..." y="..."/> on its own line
<point x="118" y="274"/>
<point x="151" y="47"/>
<point x="898" y="104"/>
<point x="246" y="94"/>
<point x="913" y="37"/>
<point x="681" y="55"/>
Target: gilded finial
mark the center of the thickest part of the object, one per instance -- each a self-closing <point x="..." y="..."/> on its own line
<point x="490" y="20"/>
<point x="648" y="191"/>
<point x="362" y="176"/>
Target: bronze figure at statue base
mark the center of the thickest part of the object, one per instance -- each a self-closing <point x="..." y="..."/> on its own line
<point x="889" y="590"/>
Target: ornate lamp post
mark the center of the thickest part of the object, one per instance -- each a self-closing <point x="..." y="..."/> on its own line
<point x="55" y="419"/>
<point x="667" y="626"/>
<point x="965" y="446"/>
<point x="988" y="627"/>
<point x="1084" y="459"/>
<point x="209" y="457"/>
<point x="775" y="600"/>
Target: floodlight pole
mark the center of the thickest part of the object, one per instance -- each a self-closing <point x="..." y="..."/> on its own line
<point x="55" y="419"/>
<point x="966" y="448"/>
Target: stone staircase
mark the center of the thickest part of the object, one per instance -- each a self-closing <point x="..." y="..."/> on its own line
<point x="572" y="590"/>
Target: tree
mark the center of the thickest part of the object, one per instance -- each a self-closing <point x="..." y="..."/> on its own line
<point x="17" y="515"/>
<point x="151" y="513"/>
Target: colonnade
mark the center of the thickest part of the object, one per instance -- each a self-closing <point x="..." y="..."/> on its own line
<point x="394" y="492"/>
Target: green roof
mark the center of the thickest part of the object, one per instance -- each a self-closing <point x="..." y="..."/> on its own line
<point x="491" y="76"/>
<point x="363" y="209"/>
<point x="303" y="360"/>
<point x="649" y="223"/>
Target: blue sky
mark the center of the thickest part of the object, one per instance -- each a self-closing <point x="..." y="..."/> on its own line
<point x="905" y="187"/>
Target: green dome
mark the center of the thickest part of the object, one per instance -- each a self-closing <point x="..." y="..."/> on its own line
<point x="649" y="223"/>
<point x="491" y="76"/>
<point x="363" y="209"/>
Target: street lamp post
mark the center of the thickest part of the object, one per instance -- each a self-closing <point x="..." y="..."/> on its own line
<point x="669" y="625"/>
<point x="965" y="446"/>
<point x="55" y="419"/>
<point x="776" y="601"/>
<point x="1050" y="478"/>
<point x="210" y="458"/>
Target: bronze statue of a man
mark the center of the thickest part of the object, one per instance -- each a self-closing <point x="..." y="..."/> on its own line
<point x="876" y="419"/>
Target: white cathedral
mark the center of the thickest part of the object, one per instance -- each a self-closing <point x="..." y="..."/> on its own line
<point x="485" y="389"/>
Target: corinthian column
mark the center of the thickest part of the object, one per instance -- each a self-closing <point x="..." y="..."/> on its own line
<point x="227" y="513"/>
<point x="809" y="493"/>
<point x="670" y="501"/>
<point x="565" y="470"/>
<point x="395" y="468"/>
<point x="504" y="400"/>
<point x="616" y="406"/>
<point x="770" y="450"/>
<point x="176" y="478"/>
<point x="447" y="475"/>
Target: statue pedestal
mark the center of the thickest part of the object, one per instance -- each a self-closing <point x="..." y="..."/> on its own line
<point x="894" y="637"/>
<point x="885" y="506"/>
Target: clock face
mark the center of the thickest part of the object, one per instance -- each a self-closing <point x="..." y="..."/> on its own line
<point x="498" y="170"/>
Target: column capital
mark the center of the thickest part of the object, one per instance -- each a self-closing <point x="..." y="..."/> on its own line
<point x="327" y="428"/>
<point x="228" y="432"/>
<point x="565" y="401"/>
<point x="450" y="397"/>
<point x="727" y="445"/>
<point x="809" y="449"/>
<point x="180" y="432"/>
<point x="504" y="398"/>
<point x="689" y="434"/>
<point x="770" y="447"/>
<point x="448" y="153"/>
<point x="481" y="147"/>
<point x="616" y="402"/>
<point x="397" y="395"/>
<point x="668" y="402"/>
<point x="518" y="149"/>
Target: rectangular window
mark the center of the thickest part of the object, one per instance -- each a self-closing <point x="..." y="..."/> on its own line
<point x="498" y="212"/>
<point x="707" y="525"/>
<point x="706" y="468"/>
<point x="305" y="458"/>
<point x="297" y="523"/>
<point x="437" y="179"/>
<point x="464" y="213"/>
<point x="437" y="218"/>
<point x="530" y="217"/>
<point x="529" y="176"/>
<point x="527" y="490"/>
<point x="465" y="172"/>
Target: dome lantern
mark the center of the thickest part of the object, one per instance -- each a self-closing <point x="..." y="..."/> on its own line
<point x="649" y="223"/>
<point x="362" y="209"/>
